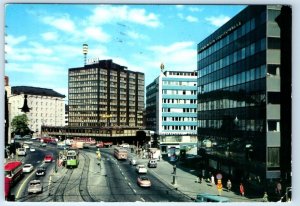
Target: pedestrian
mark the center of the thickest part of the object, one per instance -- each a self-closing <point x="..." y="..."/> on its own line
<point x="242" y="190"/>
<point x="200" y="178"/>
<point x="212" y="180"/>
<point x="278" y="189"/>
<point x="265" y="197"/>
<point x="174" y="169"/>
<point x="229" y="185"/>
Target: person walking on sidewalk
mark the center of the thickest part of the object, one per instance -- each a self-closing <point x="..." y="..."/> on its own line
<point x="265" y="197"/>
<point x="212" y="180"/>
<point x="229" y="185"/>
<point x="174" y="169"/>
<point x="242" y="190"/>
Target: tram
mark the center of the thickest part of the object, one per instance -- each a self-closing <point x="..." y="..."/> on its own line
<point x="72" y="159"/>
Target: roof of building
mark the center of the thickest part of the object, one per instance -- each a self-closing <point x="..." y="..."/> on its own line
<point x="35" y="91"/>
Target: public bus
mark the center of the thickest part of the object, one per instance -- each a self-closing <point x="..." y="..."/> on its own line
<point x="72" y="159"/>
<point x="13" y="172"/>
<point x="120" y="153"/>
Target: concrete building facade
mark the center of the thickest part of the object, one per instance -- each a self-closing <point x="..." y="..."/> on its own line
<point x="171" y="103"/>
<point x="47" y="107"/>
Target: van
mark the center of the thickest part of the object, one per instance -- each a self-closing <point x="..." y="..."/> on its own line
<point x="21" y="151"/>
<point x="152" y="163"/>
<point x="205" y="197"/>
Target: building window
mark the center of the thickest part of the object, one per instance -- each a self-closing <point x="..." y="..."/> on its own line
<point x="273" y="126"/>
<point x="273" y="157"/>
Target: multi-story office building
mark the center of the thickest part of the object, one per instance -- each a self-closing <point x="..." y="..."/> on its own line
<point x="47" y="107"/>
<point x="105" y="94"/>
<point x="171" y="103"/>
<point x="239" y="78"/>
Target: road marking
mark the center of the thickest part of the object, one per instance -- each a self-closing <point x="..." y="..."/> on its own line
<point x="134" y="190"/>
<point x="22" y="185"/>
<point x="129" y="183"/>
<point x="142" y="199"/>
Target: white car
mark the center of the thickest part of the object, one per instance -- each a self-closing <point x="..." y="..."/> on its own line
<point x="141" y="169"/>
<point x="28" y="142"/>
<point x="32" y="149"/>
<point x="125" y="145"/>
<point x="133" y="161"/>
<point x="26" y="146"/>
<point x="21" y="151"/>
<point x="35" y="186"/>
<point x="27" y="168"/>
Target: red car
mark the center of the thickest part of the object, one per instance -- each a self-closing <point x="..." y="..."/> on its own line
<point x="48" y="158"/>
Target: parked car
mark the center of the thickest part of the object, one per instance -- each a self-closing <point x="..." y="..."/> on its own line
<point x="27" y="136"/>
<point x="125" y="145"/>
<point x="152" y="163"/>
<point x="132" y="161"/>
<point x="143" y="181"/>
<point x="28" y="142"/>
<point x="43" y="145"/>
<point x="48" y="158"/>
<point x="26" y="146"/>
<point x="32" y="149"/>
<point x="21" y="151"/>
<point x="27" y="168"/>
<point x="40" y="171"/>
<point x="141" y="169"/>
<point x="17" y="137"/>
<point x="35" y="186"/>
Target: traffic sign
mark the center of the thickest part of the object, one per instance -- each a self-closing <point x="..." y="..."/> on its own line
<point x="219" y="176"/>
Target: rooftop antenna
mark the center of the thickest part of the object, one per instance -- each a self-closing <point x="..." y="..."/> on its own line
<point x="85" y="51"/>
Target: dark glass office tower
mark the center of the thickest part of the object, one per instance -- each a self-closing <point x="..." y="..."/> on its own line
<point x="239" y="98"/>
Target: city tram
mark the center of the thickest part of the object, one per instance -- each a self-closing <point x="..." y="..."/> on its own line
<point x="120" y="153"/>
<point x="13" y="173"/>
<point x="72" y="159"/>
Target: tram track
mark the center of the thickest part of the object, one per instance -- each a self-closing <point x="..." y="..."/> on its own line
<point x="83" y="185"/>
<point x="58" y="195"/>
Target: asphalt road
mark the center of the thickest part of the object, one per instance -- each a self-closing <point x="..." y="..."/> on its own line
<point x="108" y="180"/>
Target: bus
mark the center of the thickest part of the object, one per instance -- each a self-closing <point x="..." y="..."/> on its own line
<point x="120" y="153"/>
<point x="13" y="173"/>
<point x="72" y="159"/>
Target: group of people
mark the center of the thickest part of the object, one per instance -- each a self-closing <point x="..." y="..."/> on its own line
<point x="228" y="184"/>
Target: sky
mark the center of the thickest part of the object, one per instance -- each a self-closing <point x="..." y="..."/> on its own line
<point x="44" y="40"/>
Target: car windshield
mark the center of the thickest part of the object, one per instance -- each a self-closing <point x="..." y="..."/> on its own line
<point x="144" y="178"/>
<point x="34" y="184"/>
<point x="7" y="173"/>
<point x="27" y="165"/>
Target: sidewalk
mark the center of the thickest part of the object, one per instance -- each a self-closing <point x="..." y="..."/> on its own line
<point x="186" y="181"/>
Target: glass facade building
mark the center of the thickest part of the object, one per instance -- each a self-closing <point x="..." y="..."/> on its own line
<point x="239" y="97"/>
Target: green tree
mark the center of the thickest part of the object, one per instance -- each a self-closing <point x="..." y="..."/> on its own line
<point x="19" y="125"/>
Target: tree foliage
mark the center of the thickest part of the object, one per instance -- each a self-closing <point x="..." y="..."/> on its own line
<point x="19" y="125"/>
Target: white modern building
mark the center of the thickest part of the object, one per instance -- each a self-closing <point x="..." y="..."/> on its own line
<point x="171" y="109"/>
<point x="47" y="106"/>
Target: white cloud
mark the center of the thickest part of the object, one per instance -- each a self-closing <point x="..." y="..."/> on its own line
<point x="217" y="20"/>
<point x="39" y="49"/>
<point x="177" y="56"/>
<point x="195" y="9"/>
<point x="191" y="19"/>
<point x="62" y="23"/>
<point x="135" y="35"/>
<point x="179" y="6"/>
<point x="11" y="40"/>
<point x="49" y="36"/>
<point x="107" y="14"/>
<point x="188" y="18"/>
<point x="97" y="34"/>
